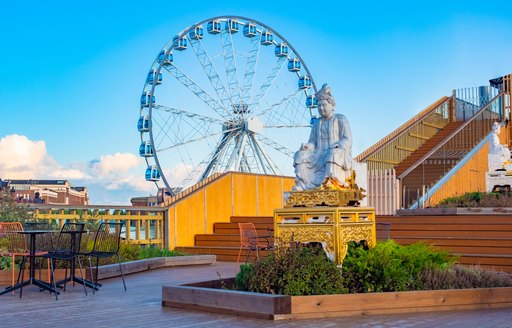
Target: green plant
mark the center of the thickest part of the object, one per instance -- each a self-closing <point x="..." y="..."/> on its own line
<point x="459" y="276"/>
<point x="389" y="266"/>
<point x="292" y="269"/>
<point x="149" y="252"/>
<point x="12" y="211"/>
<point x="478" y="199"/>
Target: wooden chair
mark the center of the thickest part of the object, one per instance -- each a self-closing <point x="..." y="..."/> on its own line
<point x="16" y="245"/>
<point x="250" y="241"/>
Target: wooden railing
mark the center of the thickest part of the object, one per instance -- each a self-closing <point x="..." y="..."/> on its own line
<point x="143" y="225"/>
<point x="399" y="144"/>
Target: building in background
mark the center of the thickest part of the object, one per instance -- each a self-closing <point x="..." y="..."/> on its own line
<point x="55" y="192"/>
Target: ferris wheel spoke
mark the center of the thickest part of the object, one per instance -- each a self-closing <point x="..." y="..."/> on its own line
<point x="279" y="103"/>
<point x="207" y="64"/>
<point x="215" y="159"/>
<point x="286" y="126"/>
<point x="290" y="112"/>
<point x="271" y="143"/>
<point x="189" y="114"/>
<point x="268" y="82"/>
<point x="228" y="52"/>
<point x="200" y="93"/>
<point x="250" y="69"/>
<point x="187" y="142"/>
<point x="177" y="124"/>
<point x="268" y="165"/>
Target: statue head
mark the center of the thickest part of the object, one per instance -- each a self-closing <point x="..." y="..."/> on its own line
<point x="325" y="101"/>
<point x="496" y="127"/>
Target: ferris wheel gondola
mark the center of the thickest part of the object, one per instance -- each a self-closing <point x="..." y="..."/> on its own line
<point x="216" y="100"/>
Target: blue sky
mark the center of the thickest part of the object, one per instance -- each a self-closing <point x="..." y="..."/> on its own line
<point x="71" y="72"/>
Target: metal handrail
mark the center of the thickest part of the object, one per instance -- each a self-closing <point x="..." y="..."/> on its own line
<point x="402" y="129"/>
<point x="448" y="138"/>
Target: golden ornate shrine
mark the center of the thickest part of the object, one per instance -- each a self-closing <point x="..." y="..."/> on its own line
<point x="334" y="227"/>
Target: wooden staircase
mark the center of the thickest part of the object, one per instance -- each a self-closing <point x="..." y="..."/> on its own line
<point x="426" y="147"/>
<point x="225" y="240"/>
<point x="478" y="239"/>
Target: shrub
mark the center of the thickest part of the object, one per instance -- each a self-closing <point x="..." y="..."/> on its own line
<point x="459" y="276"/>
<point x="12" y="211"/>
<point x="389" y="266"/>
<point x="291" y="269"/>
<point x="478" y="199"/>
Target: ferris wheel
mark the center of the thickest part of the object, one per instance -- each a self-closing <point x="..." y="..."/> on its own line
<point x="226" y="94"/>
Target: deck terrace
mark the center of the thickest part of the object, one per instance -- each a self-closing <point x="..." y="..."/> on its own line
<point x="141" y="306"/>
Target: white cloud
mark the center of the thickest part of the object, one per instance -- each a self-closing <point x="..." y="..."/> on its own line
<point x="121" y="173"/>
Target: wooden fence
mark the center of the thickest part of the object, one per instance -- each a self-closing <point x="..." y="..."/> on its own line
<point x="383" y="191"/>
<point x="143" y="225"/>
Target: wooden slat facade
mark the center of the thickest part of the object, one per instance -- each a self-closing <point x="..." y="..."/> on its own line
<point x="484" y="240"/>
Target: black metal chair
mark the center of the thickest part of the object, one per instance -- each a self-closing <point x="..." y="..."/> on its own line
<point x="106" y="244"/>
<point x="67" y="248"/>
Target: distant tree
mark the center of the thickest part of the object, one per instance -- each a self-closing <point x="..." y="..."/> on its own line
<point x="12" y="211"/>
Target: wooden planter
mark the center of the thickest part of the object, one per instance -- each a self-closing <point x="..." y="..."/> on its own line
<point x="277" y="307"/>
<point x="5" y="275"/>
<point x="112" y="270"/>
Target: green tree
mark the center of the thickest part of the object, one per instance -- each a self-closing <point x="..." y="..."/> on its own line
<point x="12" y="211"/>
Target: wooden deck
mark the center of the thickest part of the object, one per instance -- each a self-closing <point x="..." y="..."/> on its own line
<point x="141" y="306"/>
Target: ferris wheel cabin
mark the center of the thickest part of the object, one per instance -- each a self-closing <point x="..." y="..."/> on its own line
<point x="143" y="124"/>
<point x="152" y="173"/>
<point x="267" y="38"/>
<point x="167" y="58"/>
<point x="145" y="149"/>
<point x="281" y="50"/>
<point x="196" y="33"/>
<point x="179" y="43"/>
<point x="294" y="65"/>
<point x="232" y="26"/>
<point x="250" y="30"/>
<point x="146" y="98"/>
<point x="154" y="77"/>
<point x="213" y="27"/>
<point x="304" y="82"/>
<point x="311" y="102"/>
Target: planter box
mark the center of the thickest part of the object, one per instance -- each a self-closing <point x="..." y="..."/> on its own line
<point x="5" y="275"/>
<point x="456" y="211"/>
<point x="112" y="270"/>
<point x="277" y="307"/>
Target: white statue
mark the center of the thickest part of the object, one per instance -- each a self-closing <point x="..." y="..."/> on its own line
<point x="328" y="153"/>
<point x="499" y="155"/>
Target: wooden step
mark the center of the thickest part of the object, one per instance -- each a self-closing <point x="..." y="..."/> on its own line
<point x="426" y="147"/>
<point x="455" y="219"/>
<point x="232" y="228"/>
<point x="252" y="219"/>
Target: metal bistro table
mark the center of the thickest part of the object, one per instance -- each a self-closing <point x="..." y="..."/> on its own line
<point x="32" y="254"/>
<point x="72" y="277"/>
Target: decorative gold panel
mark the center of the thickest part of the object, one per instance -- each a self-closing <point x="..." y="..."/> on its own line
<point x="333" y="227"/>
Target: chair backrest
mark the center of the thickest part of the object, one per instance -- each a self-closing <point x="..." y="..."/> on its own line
<point x="108" y="238"/>
<point x="16" y="242"/>
<point x="44" y="242"/>
<point x="64" y="240"/>
<point x="248" y="234"/>
<point x="39" y="225"/>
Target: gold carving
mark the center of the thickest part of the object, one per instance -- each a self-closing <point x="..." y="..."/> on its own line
<point x="327" y="197"/>
<point x="307" y="234"/>
<point x="347" y="224"/>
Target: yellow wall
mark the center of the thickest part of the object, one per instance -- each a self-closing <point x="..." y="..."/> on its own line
<point x="471" y="177"/>
<point x="232" y="194"/>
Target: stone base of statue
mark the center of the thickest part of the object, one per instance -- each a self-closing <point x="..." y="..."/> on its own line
<point x="333" y="227"/>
